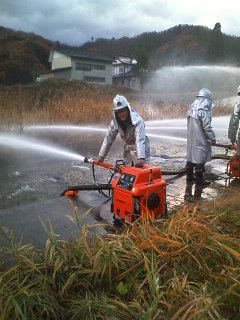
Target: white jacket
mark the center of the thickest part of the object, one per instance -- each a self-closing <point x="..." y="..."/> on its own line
<point x="135" y="139"/>
<point x="233" y="125"/>
<point x="200" y="134"/>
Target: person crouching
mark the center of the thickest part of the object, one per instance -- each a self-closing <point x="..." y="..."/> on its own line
<point x="127" y="122"/>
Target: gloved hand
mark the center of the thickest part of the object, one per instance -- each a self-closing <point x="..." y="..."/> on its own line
<point x="233" y="141"/>
<point x="140" y="163"/>
<point x="98" y="159"/>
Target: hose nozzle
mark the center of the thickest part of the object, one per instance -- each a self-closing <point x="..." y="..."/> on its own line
<point x="87" y="160"/>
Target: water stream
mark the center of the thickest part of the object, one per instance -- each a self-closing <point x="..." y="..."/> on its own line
<point x="178" y="83"/>
<point x="64" y="128"/>
<point x="16" y="142"/>
<point x="38" y="164"/>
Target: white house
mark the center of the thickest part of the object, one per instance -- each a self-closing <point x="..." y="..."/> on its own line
<point x="70" y="63"/>
<point x="122" y="66"/>
<point x="123" y="72"/>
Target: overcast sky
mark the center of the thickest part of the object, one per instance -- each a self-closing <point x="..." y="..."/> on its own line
<point x="76" y="21"/>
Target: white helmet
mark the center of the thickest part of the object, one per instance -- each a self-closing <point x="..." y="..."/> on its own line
<point x="119" y="102"/>
<point x="238" y="91"/>
<point x="205" y="93"/>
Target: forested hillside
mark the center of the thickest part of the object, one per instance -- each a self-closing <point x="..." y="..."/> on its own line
<point x="23" y="56"/>
<point x="180" y="45"/>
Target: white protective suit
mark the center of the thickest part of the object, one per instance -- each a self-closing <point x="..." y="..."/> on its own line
<point x="233" y="126"/>
<point x="136" y="143"/>
<point x="200" y="134"/>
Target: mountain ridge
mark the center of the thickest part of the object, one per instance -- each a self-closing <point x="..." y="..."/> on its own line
<point x="23" y="55"/>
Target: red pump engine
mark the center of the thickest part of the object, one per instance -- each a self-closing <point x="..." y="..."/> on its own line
<point x="136" y="192"/>
<point x="233" y="166"/>
<point x="139" y="193"/>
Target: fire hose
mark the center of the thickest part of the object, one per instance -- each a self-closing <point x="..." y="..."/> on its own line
<point x="72" y="190"/>
<point x="225" y="156"/>
<point x="140" y="193"/>
<point x="137" y="193"/>
<point x="173" y="172"/>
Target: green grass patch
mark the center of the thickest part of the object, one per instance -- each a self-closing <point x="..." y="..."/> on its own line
<point x="186" y="267"/>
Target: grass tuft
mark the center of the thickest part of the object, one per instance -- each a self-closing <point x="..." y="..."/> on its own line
<point x="186" y="267"/>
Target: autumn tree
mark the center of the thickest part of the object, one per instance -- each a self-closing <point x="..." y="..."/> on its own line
<point x="215" y="46"/>
<point x="141" y="67"/>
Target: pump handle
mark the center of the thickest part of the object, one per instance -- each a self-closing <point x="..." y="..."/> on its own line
<point x="101" y="164"/>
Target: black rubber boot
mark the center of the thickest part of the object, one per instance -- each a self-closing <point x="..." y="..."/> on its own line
<point x="200" y="180"/>
<point x="188" y="196"/>
<point x="189" y="171"/>
<point x="198" y="192"/>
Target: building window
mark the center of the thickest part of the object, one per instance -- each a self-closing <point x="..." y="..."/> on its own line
<point x="121" y="70"/>
<point x="83" y="66"/>
<point x="94" y="79"/>
<point x="89" y="67"/>
<point x="98" y="66"/>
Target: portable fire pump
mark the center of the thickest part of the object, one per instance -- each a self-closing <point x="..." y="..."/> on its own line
<point x="135" y="192"/>
<point x="233" y="165"/>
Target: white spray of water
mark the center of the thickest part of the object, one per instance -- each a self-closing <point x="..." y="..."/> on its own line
<point x="15" y="142"/>
<point x="166" y="128"/>
<point x="178" y="81"/>
<point x="87" y="129"/>
<point x="163" y="137"/>
<point x="176" y="128"/>
<point x="178" y="122"/>
<point x="72" y="128"/>
<point x="65" y="128"/>
<point x="219" y="124"/>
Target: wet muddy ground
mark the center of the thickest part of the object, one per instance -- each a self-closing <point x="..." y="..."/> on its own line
<point x="32" y="182"/>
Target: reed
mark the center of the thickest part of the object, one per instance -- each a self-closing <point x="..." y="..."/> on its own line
<point x="75" y="102"/>
<point x="185" y="267"/>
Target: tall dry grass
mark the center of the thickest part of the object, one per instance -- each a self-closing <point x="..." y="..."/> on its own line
<point x="75" y="102"/>
<point x="187" y="267"/>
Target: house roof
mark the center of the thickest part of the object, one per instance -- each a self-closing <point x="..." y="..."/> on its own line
<point x="78" y="53"/>
<point x="125" y="60"/>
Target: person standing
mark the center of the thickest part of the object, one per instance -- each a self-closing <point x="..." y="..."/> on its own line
<point x="200" y="137"/>
<point x="127" y="122"/>
<point x="234" y="124"/>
